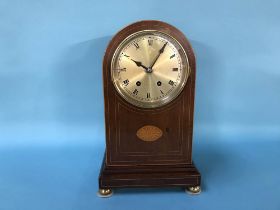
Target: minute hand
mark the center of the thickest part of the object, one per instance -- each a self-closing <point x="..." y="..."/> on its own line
<point x="160" y="52"/>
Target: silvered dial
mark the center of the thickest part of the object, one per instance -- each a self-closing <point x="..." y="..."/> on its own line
<point x="149" y="69"/>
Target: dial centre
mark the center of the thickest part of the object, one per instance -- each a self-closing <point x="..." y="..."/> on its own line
<point x="149" y="70"/>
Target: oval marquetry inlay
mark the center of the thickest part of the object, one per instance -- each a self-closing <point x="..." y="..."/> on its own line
<point x="149" y="133"/>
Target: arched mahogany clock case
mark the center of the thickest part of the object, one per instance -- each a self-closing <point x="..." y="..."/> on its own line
<point x="132" y="162"/>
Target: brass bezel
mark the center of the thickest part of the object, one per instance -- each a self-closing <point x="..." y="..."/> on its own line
<point x="161" y="102"/>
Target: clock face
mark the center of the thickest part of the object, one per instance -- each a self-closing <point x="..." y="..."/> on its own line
<point x="149" y="69"/>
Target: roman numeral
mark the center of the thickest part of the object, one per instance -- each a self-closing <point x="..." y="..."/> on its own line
<point x="126" y="55"/>
<point x="126" y="82"/>
<point x="161" y="92"/>
<point x="121" y="69"/>
<point x="175" y="69"/>
<point x="136" y="45"/>
<point x="150" y="42"/>
<point x="172" y="56"/>
<point x="148" y="95"/>
<point x="135" y="92"/>
<point x="171" y="82"/>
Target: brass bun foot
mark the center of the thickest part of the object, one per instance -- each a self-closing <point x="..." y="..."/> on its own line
<point x="195" y="190"/>
<point x="105" y="193"/>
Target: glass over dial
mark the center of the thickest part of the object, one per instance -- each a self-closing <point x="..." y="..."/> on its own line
<point x="149" y="69"/>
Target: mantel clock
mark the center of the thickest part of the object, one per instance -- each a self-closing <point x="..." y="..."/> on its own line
<point x="149" y="81"/>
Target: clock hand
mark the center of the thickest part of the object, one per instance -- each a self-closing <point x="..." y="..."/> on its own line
<point x="160" y="52"/>
<point x="139" y="64"/>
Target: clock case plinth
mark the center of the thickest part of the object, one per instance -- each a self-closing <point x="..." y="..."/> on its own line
<point x="131" y="162"/>
<point x="148" y="176"/>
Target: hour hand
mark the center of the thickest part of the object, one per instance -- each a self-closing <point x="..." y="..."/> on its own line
<point x="139" y="64"/>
